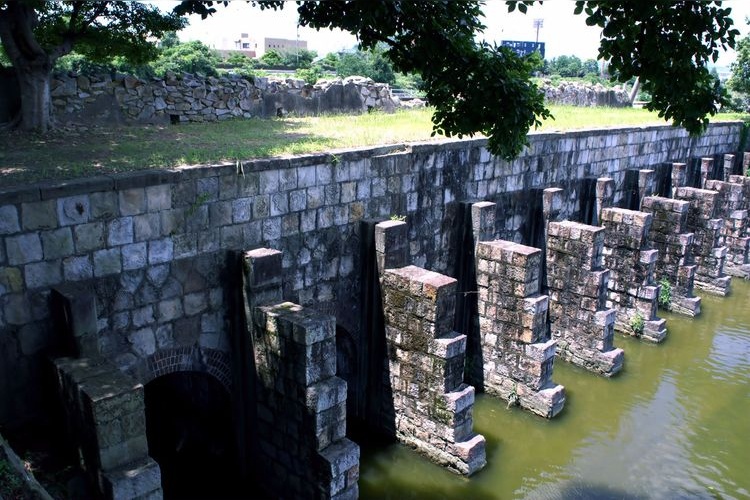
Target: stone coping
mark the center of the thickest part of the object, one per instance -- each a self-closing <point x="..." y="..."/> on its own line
<point x="46" y="190"/>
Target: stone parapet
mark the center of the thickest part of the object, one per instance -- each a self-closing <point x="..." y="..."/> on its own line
<point x="433" y="407"/>
<point x="517" y="351"/>
<point x="579" y="319"/>
<point x="704" y="222"/>
<point x="301" y="404"/>
<point x="734" y="233"/>
<point x="669" y="236"/>
<point x="631" y="289"/>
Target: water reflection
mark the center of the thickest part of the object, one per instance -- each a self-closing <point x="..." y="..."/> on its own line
<point x="673" y="424"/>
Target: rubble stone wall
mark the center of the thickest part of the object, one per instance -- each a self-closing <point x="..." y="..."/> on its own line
<point x="190" y="98"/>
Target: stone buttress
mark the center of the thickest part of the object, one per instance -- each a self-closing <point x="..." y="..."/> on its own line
<point x="301" y="404"/>
<point x="732" y="208"/>
<point x="704" y="222"/>
<point x="433" y="407"/>
<point x="577" y="285"/>
<point x="106" y="418"/>
<point x="104" y="408"/>
<point x="517" y="353"/>
<point x="632" y="291"/>
<point x="674" y="265"/>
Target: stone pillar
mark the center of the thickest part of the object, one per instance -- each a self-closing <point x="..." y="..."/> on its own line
<point x="707" y="167"/>
<point x="709" y="256"/>
<point x="517" y="352"/>
<point x="632" y="291"/>
<point x="674" y="264"/>
<point x="301" y="404"/>
<point x="426" y="358"/>
<point x="734" y="231"/>
<point x="679" y="177"/>
<point x="106" y="418"/>
<point x="745" y="163"/>
<point x="646" y="184"/>
<point x="73" y="308"/>
<point x="605" y="195"/>
<point x="729" y="161"/>
<point x="582" y="326"/>
<point x="552" y="201"/>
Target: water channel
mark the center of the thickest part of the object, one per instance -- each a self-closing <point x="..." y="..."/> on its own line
<point x="674" y="424"/>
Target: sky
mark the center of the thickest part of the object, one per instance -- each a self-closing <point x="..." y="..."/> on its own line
<point x="563" y="32"/>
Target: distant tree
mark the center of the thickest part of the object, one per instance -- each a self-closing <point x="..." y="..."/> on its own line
<point x="272" y="58"/>
<point x="169" y="40"/>
<point x="368" y="63"/>
<point x="301" y="58"/>
<point x="190" y="57"/>
<point x="567" y="66"/>
<point x="590" y="67"/>
<point x="740" y="79"/>
<point x="237" y="59"/>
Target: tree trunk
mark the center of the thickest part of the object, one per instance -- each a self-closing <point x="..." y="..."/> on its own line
<point x="31" y="62"/>
<point x="36" y="104"/>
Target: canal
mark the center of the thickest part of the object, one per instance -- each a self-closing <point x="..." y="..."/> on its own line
<point x="674" y="424"/>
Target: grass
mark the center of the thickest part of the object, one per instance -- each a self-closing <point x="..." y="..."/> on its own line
<point x="66" y="154"/>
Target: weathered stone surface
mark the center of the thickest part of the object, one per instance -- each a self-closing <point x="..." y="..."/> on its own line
<point x="579" y="318"/>
<point x="632" y="289"/>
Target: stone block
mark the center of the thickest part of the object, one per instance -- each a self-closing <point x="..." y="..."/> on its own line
<point x="9" y="222"/>
<point x="263" y="267"/>
<point x="23" y="248"/>
<point x="325" y="394"/>
<point x="36" y="215"/>
<point x="391" y="242"/>
<point x="140" y="479"/>
<point x="43" y="274"/>
<point x="472" y="452"/>
<point x="448" y="347"/>
<point x="107" y="261"/>
<point x="73" y="210"/>
<point x="132" y="201"/>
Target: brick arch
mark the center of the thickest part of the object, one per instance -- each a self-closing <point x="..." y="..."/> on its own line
<point x="189" y="359"/>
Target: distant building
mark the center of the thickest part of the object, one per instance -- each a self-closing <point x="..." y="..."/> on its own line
<point x="283" y="45"/>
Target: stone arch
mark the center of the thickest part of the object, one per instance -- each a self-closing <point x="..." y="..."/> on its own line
<point x="188" y="359"/>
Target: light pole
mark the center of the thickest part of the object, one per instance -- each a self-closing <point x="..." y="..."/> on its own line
<point x="538" y="23"/>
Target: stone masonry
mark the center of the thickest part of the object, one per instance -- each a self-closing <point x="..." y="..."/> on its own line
<point x="106" y="420"/>
<point x="151" y="246"/>
<point x="433" y="406"/>
<point x="670" y="237"/>
<point x="704" y="223"/>
<point x="517" y="354"/>
<point x="301" y="404"/>
<point x="632" y="291"/>
<point x="577" y="282"/>
<point x="734" y="232"/>
<point x="193" y="98"/>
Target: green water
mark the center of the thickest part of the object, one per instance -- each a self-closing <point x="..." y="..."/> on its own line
<point x="674" y="424"/>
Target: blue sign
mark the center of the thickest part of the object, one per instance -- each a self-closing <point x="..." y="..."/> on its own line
<point x="524" y="48"/>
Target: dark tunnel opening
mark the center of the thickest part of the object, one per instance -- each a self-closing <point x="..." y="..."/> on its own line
<point x="190" y="434"/>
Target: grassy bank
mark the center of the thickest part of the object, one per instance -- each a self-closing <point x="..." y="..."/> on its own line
<point x="67" y="154"/>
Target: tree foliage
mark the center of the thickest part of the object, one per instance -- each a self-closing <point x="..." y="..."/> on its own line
<point x="668" y="45"/>
<point x="368" y="63"/>
<point x="740" y="79"/>
<point x="189" y="57"/>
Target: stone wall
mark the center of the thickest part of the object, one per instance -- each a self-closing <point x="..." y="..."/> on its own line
<point x="734" y="232"/>
<point x="585" y="94"/>
<point x="182" y="98"/>
<point x="152" y="246"/>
